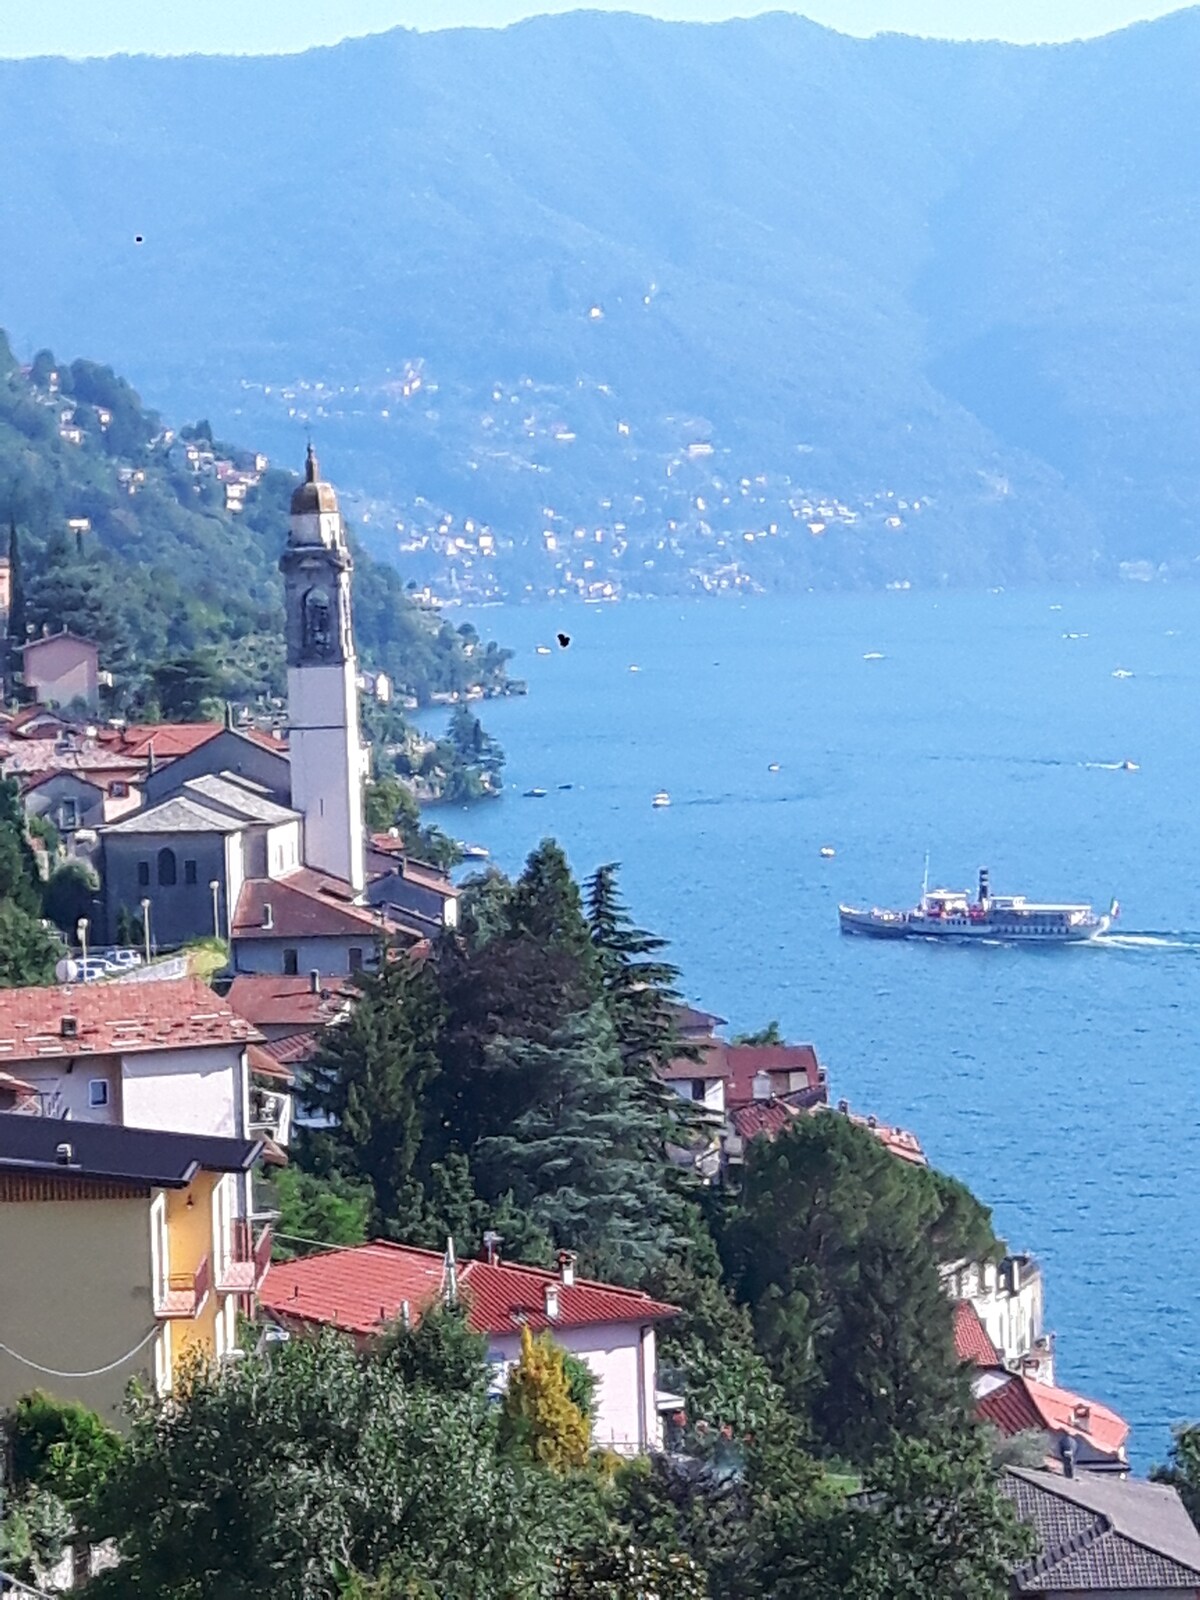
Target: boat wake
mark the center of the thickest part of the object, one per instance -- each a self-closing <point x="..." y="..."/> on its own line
<point x="1149" y="941"/>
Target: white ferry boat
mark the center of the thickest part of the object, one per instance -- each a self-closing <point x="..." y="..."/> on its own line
<point x="952" y="914"/>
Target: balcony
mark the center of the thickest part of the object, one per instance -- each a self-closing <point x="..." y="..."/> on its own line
<point x="186" y="1293"/>
<point x="248" y="1260"/>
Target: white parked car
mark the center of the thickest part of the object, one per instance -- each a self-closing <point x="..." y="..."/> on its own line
<point x="121" y="959"/>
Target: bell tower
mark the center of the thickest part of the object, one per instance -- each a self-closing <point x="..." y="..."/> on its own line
<point x="323" y="733"/>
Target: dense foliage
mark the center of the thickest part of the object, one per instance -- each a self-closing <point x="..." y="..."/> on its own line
<point x="28" y="950"/>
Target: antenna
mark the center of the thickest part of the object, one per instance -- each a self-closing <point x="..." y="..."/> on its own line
<point x="451" y="1273"/>
<point x="925" y="878"/>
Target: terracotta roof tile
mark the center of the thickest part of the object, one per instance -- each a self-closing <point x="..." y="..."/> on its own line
<point x="1017" y="1404"/>
<point x="270" y="1001"/>
<point x="306" y="904"/>
<point x="971" y="1340"/>
<point x="762" y="1119"/>
<point x="361" y="1290"/>
<point x="169" y="739"/>
<point x="124" y="1016"/>
<point x="779" y="1061"/>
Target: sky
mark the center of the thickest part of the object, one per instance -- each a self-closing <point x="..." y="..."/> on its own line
<point x="270" y="26"/>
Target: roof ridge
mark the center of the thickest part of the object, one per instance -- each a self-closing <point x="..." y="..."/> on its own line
<point x="1074" y="1544"/>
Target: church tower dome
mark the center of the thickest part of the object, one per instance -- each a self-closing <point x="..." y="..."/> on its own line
<point x="313" y="496"/>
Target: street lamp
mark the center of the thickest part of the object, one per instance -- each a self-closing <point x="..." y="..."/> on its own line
<point x="81" y="933"/>
<point x="146" y="928"/>
<point x="215" y="886"/>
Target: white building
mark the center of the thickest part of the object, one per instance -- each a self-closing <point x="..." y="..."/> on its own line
<point x="1008" y="1297"/>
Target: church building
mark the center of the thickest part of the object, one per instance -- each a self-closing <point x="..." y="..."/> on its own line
<point x="221" y="849"/>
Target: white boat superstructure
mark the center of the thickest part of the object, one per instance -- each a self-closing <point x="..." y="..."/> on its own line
<point x="952" y="914"/>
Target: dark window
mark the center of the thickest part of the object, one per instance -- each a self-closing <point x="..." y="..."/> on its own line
<point x="143" y="874"/>
<point x="118" y="790"/>
<point x="97" y="1092"/>
<point x="291" y="963"/>
<point x="167" y="869"/>
<point x="356" y="958"/>
<point x="697" y="1088"/>
<point x="189" y="872"/>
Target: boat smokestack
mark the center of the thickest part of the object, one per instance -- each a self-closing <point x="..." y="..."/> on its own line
<point x="984" y="886"/>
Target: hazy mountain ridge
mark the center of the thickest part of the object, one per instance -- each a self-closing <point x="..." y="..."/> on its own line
<point x="960" y="273"/>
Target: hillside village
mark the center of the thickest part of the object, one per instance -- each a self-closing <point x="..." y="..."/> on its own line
<point x="216" y="1168"/>
<point x="687" y="513"/>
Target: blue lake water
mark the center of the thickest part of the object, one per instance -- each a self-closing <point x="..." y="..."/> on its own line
<point x="1062" y="1085"/>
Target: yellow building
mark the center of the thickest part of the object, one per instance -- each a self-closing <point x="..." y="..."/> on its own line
<point x="121" y="1256"/>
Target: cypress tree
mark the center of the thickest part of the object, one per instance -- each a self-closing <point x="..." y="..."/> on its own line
<point x="16" y="606"/>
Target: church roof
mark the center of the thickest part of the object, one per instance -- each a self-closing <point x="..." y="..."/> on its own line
<point x="244" y="800"/>
<point x="313" y="495"/>
<point x="177" y="815"/>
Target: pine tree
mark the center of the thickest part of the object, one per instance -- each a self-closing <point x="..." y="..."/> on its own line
<point x="371" y="1078"/>
<point x="539" y="1419"/>
<point x="580" y="1156"/>
<point x="546" y="906"/>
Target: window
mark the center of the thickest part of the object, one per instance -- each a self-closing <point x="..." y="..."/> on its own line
<point x="143" y="874"/>
<point x="118" y="790"/>
<point x="167" y="869"/>
<point x="356" y="958"/>
<point x="291" y="963"/>
<point x="698" y="1088"/>
<point x="189" y="872"/>
<point x="68" y="815"/>
<point x="97" y="1091"/>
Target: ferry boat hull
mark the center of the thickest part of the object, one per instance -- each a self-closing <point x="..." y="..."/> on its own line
<point x="1009" y="919"/>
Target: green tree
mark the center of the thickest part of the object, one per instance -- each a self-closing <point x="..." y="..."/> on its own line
<point x="70" y="895"/>
<point x="28" y="952"/>
<point x="371" y="1078"/>
<point x="768" y="1035"/>
<point x="835" y="1246"/>
<point x="188" y="688"/>
<point x="438" y="1349"/>
<point x="16" y="607"/>
<point x="276" y="1478"/>
<point x="578" y="1153"/>
<point x="616" y="1570"/>
<point x="327" y="1211"/>
<point x="538" y="1419"/>
<point x="1182" y="1470"/>
<point x="60" y="1446"/>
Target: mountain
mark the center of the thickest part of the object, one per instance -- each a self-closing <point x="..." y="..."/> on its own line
<point x="160" y="544"/>
<point x="754" y="302"/>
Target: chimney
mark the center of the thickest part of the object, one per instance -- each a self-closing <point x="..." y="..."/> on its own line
<point x="314" y="981"/>
<point x="1014" y="1276"/>
<point x="64" y="1154"/>
<point x="491" y="1247"/>
<point x="566" y="1267"/>
<point x="760" y="1086"/>
<point x="551" y="1289"/>
<point x="150" y="759"/>
<point x="872" y="1122"/>
<point x="1082" y="1417"/>
<point x="405" y="1314"/>
<point x="844" y="1107"/>
<point x="68" y="1028"/>
<point x="1066" y="1450"/>
<point x="268" y="920"/>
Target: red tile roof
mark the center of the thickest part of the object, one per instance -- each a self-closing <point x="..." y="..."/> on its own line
<point x="762" y="1118"/>
<point x="779" y="1061"/>
<point x="116" y="1018"/>
<point x="169" y="739"/>
<point x="292" y="1050"/>
<point x="362" y="1290"/>
<point x="971" y="1340"/>
<point x="261" y="1061"/>
<point x="1018" y="1404"/>
<point x="305" y="904"/>
<point x="270" y="1001"/>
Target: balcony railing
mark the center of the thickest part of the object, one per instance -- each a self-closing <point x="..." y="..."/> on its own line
<point x="186" y="1292"/>
<point x="248" y="1260"/>
<point x="267" y="1110"/>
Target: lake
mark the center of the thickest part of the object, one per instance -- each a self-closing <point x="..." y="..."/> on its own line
<point x="1061" y="1084"/>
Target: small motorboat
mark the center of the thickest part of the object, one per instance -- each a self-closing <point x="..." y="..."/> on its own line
<point x="827" y="852"/>
<point x="774" y="767"/>
<point x="476" y="852"/>
<point x="535" y="794"/>
<point x="635" y="669"/>
<point x="1130" y="766"/>
<point x="566" y="786"/>
<point x="543" y="650"/>
<point x="662" y="798"/>
<point x="1122" y="672"/>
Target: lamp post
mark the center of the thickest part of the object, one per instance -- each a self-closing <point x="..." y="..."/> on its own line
<point x="215" y="886"/>
<point x="81" y="933"/>
<point x="146" y="928"/>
